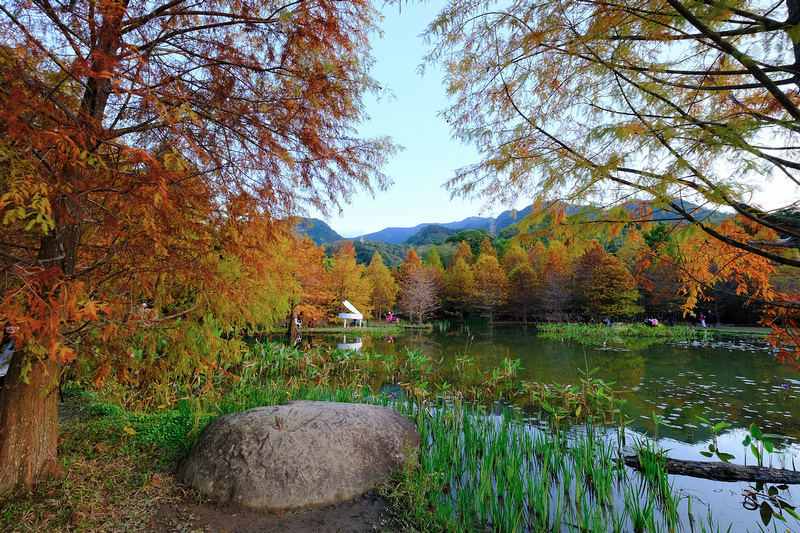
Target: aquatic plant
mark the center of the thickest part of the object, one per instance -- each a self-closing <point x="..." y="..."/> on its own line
<point x="713" y="447"/>
<point x="482" y="462"/>
<point x="598" y="333"/>
<point x="759" y="442"/>
<point x="591" y="399"/>
<point x="769" y="503"/>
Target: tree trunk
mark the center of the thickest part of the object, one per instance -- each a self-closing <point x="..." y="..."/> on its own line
<point x="29" y="410"/>
<point x="294" y="331"/>
<point x="720" y="471"/>
<point x="28" y="423"/>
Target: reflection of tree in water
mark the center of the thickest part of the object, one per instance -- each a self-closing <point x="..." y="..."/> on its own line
<point x="718" y="383"/>
<point x="421" y="341"/>
<point x="624" y="366"/>
<point x="412" y="339"/>
<point x="734" y="381"/>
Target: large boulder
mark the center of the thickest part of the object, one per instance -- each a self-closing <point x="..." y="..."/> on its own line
<point x="298" y="454"/>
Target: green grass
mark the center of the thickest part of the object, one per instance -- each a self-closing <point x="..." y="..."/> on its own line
<point x="637" y="333"/>
<point x="111" y="474"/>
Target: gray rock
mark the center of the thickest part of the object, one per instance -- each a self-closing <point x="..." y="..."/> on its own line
<point x="298" y="454"/>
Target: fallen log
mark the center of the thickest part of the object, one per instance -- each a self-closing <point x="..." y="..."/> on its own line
<point x="720" y="471"/>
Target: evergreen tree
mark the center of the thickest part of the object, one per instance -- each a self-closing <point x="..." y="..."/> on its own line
<point x="433" y="259"/>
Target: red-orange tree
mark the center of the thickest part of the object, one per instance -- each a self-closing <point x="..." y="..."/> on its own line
<point x="411" y="262"/>
<point x="146" y="151"/>
<point x="312" y="280"/>
<point x="462" y="252"/>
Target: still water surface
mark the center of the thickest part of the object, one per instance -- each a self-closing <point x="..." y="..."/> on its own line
<point x="735" y="380"/>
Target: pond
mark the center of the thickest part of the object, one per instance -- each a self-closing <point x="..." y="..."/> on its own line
<point x="730" y="379"/>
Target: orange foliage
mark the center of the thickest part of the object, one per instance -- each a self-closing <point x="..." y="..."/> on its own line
<point x="705" y="262"/>
<point x="462" y="252"/>
<point x="129" y="179"/>
<point x="314" y="280"/>
<point x="148" y="153"/>
<point x="411" y="262"/>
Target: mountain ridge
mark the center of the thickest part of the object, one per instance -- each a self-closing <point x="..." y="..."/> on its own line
<point x="323" y="235"/>
<point x="398" y="235"/>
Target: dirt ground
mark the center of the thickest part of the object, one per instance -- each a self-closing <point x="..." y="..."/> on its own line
<point x="366" y="513"/>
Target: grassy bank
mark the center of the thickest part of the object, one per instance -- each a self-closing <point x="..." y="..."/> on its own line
<point x="639" y="333"/>
<point x="598" y="333"/>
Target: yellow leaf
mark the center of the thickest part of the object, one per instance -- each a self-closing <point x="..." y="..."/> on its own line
<point x="129" y="430"/>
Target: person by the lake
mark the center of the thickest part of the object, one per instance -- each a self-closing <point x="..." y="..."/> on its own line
<point x="702" y="318"/>
<point x="607" y="322"/>
<point x="711" y="319"/>
<point x="671" y="318"/>
<point x="7" y="347"/>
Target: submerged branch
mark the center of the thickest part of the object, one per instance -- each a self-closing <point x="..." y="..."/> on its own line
<point x="720" y="471"/>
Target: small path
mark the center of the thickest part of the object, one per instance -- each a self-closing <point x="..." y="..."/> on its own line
<point x="365" y="514"/>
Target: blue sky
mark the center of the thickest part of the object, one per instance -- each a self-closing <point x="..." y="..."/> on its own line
<point x="430" y="156"/>
<point x="410" y="118"/>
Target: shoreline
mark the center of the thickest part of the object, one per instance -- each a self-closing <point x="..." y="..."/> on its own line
<point x="719" y="328"/>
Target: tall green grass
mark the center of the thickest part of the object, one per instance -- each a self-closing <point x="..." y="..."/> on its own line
<point x="481" y="471"/>
<point x="288" y="372"/>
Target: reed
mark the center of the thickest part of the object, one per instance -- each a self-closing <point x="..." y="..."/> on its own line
<point x="503" y="474"/>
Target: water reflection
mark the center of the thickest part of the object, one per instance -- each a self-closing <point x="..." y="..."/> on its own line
<point x="735" y="380"/>
<point x="353" y="344"/>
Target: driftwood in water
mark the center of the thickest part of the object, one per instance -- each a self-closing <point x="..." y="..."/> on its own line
<point x="720" y="471"/>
